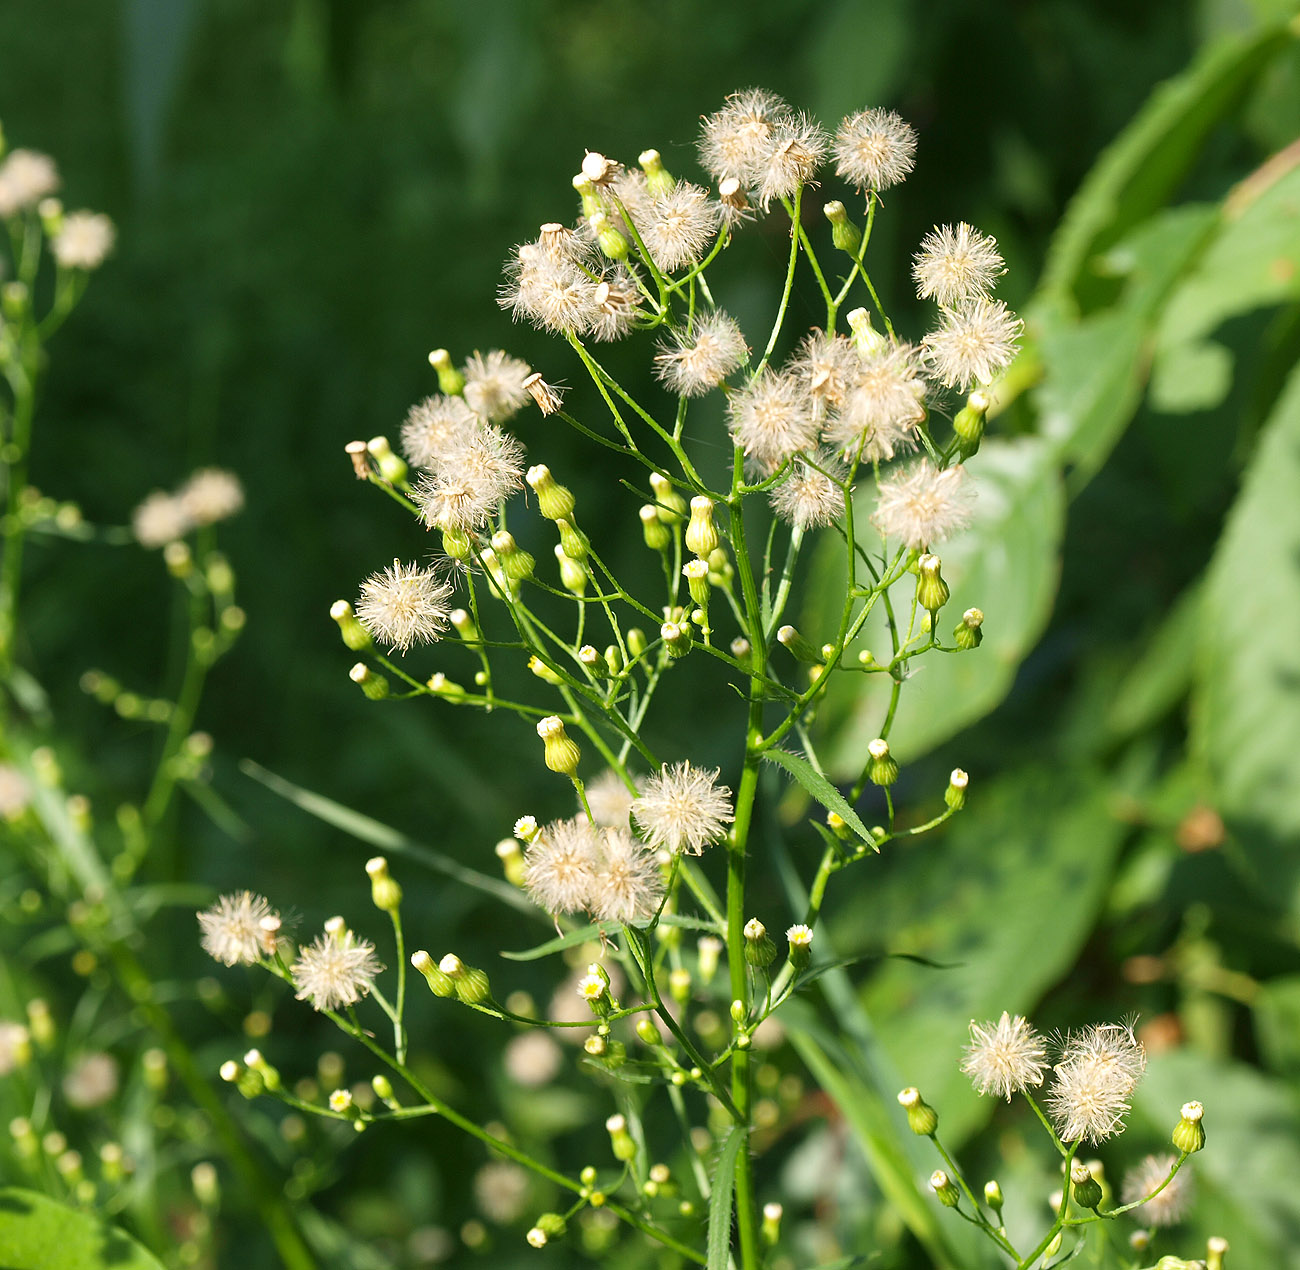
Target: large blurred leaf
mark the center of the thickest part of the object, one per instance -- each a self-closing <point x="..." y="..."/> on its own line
<point x="1022" y="877"/>
<point x="1246" y="1176"/>
<point x="1006" y="564"/>
<point x="1246" y="723"/>
<point x="38" y="1234"/>
<point x="1145" y="164"/>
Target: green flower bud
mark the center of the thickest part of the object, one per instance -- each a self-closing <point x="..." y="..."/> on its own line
<point x="799" y="938"/>
<point x="392" y="467"/>
<point x="472" y="986"/>
<point x="708" y="950"/>
<point x="561" y="753"/>
<point x="440" y="984"/>
<point x="701" y="533"/>
<point x="547" y="1227"/>
<point x="544" y="672"/>
<point x="671" y="506"/>
<point x="931" y="590"/>
<point x="1216" y="1248"/>
<point x="656" y="176"/>
<point x="572" y="542"/>
<point x="866" y="339"/>
<point x="955" y="795"/>
<point x="993" y="1196"/>
<point x="611" y="243"/>
<point x="441" y="686"/>
<point x="882" y="768"/>
<point x="554" y="501"/>
<point x="648" y="1033"/>
<point x="1087" y="1190"/>
<point x="793" y="642"/>
<point x="759" y="949"/>
<point x="944" y="1188"/>
<point x="383" y="1088"/>
<point x="1189" y="1132"/>
<point x="658" y="537"/>
<point x="844" y="233"/>
<point x="922" y="1119"/>
<point x="450" y="380"/>
<point x="969" y="423"/>
<point x="720" y="568"/>
<point x="772" y="1214"/>
<point x="969" y="632"/>
<point x="355" y="636"/>
<point x="697" y="581"/>
<point x="374" y="686"/>
<point x="512" y="860"/>
<point x="516" y="563"/>
<point x="619" y="1139"/>
<point x="635" y="641"/>
<point x="385" y="893"/>
<point x="458" y="545"/>
<point x="270" y="1077"/>
<point x="676" y="637"/>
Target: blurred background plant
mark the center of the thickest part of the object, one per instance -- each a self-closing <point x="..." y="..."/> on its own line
<point x="309" y="199"/>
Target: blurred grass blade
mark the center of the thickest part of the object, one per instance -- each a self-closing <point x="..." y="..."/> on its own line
<point x="376" y="834"/>
<point x="718" y="1247"/>
<point x="822" y="790"/>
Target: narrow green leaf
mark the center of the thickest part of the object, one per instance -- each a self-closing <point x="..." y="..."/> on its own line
<point x="376" y="834"/>
<point x="36" y="1233"/>
<point x="718" y="1247"/>
<point x="561" y="942"/>
<point x="822" y="790"/>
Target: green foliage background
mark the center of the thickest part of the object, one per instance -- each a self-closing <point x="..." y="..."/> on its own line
<point x="312" y="195"/>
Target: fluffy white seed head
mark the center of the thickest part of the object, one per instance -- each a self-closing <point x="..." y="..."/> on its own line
<point x="683" y="808"/>
<point x="627" y="884"/>
<point x="799" y="146"/>
<point x="771" y="418"/>
<point x="678" y="226"/>
<point x="610" y="799"/>
<point x="975" y="342"/>
<point x="827" y="365"/>
<point x="1098" y="1071"/>
<point x="337" y="969"/>
<point x="84" y="240"/>
<point x="874" y="149"/>
<point x="435" y="427"/>
<point x="691" y="363"/>
<point x="560" y="864"/>
<point x="615" y="305"/>
<point x="1167" y="1208"/>
<point x="471" y="480"/>
<point x="808" y="498"/>
<point x="738" y="140"/>
<point x="884" y="403"/>
<point x="494" y="385"/>
<point x="956" y="263"/>
<point x="232" y="930"/>
<point x="1005" y="1057"/>
<point x="160" y="519"/>
<point x="404" y="605"/>
<point x="210" y="495"/>
<point x="922" y="504"/>
<point x="26" y="177"/>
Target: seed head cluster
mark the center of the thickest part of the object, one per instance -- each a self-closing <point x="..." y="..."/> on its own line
<point x="210" y="495"/>
<point x="923" y="504"/>
<point x="573" y="865"/>
<point x="404" y="605"/>
<point x="1098" y="1070"/>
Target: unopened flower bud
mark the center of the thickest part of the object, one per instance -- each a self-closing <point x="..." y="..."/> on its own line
<point x="931" y="590"/>
<point x="657" y="178"/>
<point x="658" y="537"/>
<point x="374" y="686"/>
<point x="759" y="949"/>
<point x="969" y="423"/>
<point x="270" y="1077"/>
<point x="512" y="860"/>
<point x="470" y="983"/>
<point x="1189" y="1132"/>
<point x="385" y="893"/>
<point x="561" y="753"/>
<point x="440" y="984"/>
<point x="772" y="1214"/>
<point x="547" y="1227"/>
<point x="955" y="795"/>
<point x="636" y="642"/>
<point x="969" y="632"/>
<point x="1087" y="1190"/>
<point x="383" y="1088"/>
<point x="457" y="545"/>
<point x="543" y="671"/>
<point x="800" y="939"/>
<point x="701" y="533"/>
<point x="791" y="640"/>
<point x="450" y="380"/>
<point x="572" y="542"/>
<point x="882" y="769"/>
<point x="596" y="1046"/>
<point x="1216" y="1248"/>
<point x="844" y="233"/>
<point x="993" y="1196"/>
<point x="696" y="573"/>
<point x="944" y="1188"/>
<point x="922" y="1119"/>
<point x="708" y="951"/>
<point x="619" y="1138"/>
<point x="392" y="467"/>
<point x="355" y="636"/>
<point x="554" y="500"/>
<point x="866" y="339"/>
<point x="670" y="505"/>
<point x="648" y="1033"/>
<point x="676" y="637"/>
<point x="516" y="563"/>
<point x="612" y="244"/>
